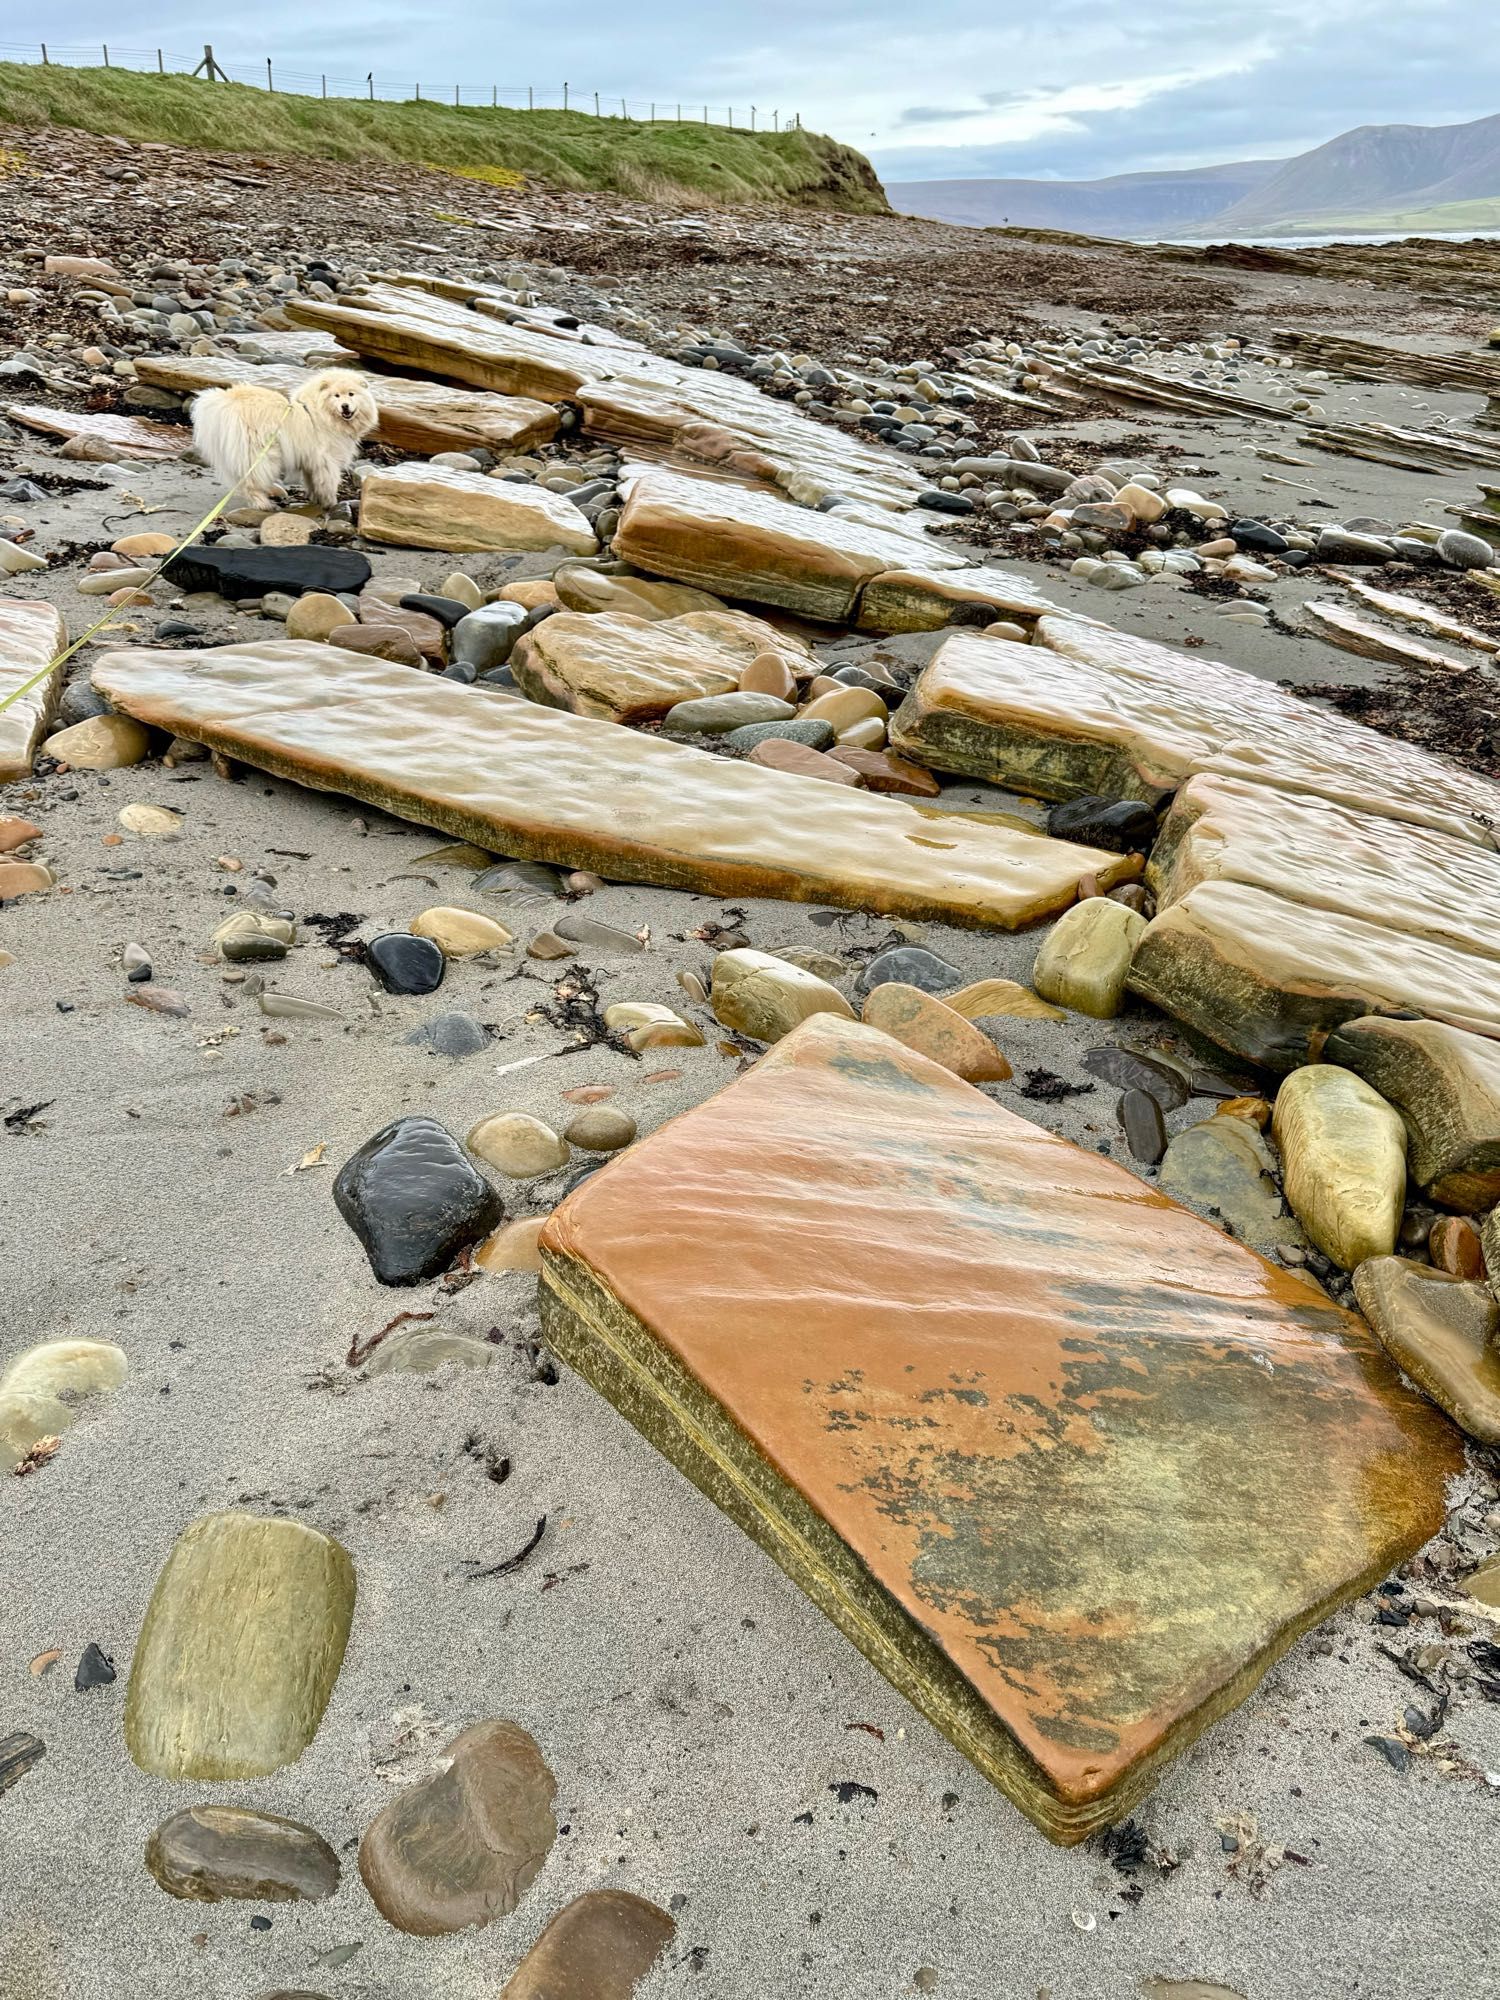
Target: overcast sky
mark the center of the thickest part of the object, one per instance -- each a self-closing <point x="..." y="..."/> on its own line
<point x="951" y="88"/>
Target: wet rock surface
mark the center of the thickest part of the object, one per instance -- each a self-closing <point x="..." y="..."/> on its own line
<point x="414" y="1199"/>
<point x="210" y="1853"/>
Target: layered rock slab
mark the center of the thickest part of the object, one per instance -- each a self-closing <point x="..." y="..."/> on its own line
<point x="1068" y="1464"/>
<point x="1446" y="1085"/>
<point x="1091" y="710"/>
<point x="1441" y="1331"/>
<point x="538" y="784"/>
<point x="421" y="506"/>
<point x="31" y="635"/>
<point x="626" y="668"/>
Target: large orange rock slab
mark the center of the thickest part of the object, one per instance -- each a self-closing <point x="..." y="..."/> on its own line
<point x="418" y="506"/>
<point x="1095" y="710"/>
<point x="31" y="634"/>
<point x="519" y="779"/>
<point x="633" y="669"/>
<point x="1070" y="1465"/>
<point x="414" y="416"/>
<point x="430" y="336"/>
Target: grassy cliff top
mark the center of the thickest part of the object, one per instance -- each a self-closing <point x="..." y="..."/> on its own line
<point x="566" y="148"/>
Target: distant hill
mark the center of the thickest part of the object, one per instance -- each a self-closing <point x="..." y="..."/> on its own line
<point x="1123" y="205"/>
<point x="1375" y="177"/>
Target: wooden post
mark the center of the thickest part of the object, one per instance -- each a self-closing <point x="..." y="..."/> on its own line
<point x="775" y="121"/>
<point x="596" y="104"/>
<point x="494" y="97"/>
<point x="270" y="85"/>
<point x="623" y="112"/>
<point x="653" y="114"/>
<point x="679" y="114"/>
<point x="161" y="68"/>
<point x="324" y="82"/>
<point x="370" y="80"/>
<point x="455" y="94"/>
<point x="531" y="97"/>
<point x="419" y="93"/>
<point x="106" y="56"/>
<point x="565" y="97"/>
<point x="752" y="118"/>
<point x="46" y="59"/>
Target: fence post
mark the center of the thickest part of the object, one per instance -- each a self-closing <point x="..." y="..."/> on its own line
<point x="106" y="54"/>
<point x="623" y="112"/>
<point x="370" y="80"/>
<point x="419" y="93"/>
<point x="752" y="118"/>
<point x="455" y="94"/>
<point x="45" y="58"/>
<point x="494" y="97"/>
<point x="679" y="114"/>
<point x="531" y="97"/>
<point x="705" y="114"/>
<point x="596" y="104"/>
<point x="161" y="68"/>
<point x="269" y="84"/>
<point x="775" y="121"/>
<point x="653" y="114"/>
<point x="565" y="97"/>
<point x="324" y="82"/>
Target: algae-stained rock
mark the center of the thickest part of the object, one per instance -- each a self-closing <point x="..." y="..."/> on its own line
<point x="414" y="1199"/>
<point x="1084" y="959"/>
<point x="464" y="1846"/>
<point x="542" y="785"/>
<point x="240" y="1649"/>
<point x="1441" y="1331"/>
<point x="31" y="635"/>
<point x="1072" y="1497"/>
<point x="421" y="506"/>
<point x="737" y="542"/>
<point x="214" y="1853"/>
<point x="43" y="1390"/>
<point x="764" y="997"/>
<point x="599" y="1947"/>
<point x="1266" y="978"/>
<point x="1343" y="1159"/>
<point x="1446" y="1085"/>
<point x="102" y="436"/>
<point x="934" y="1029"/>
<point x="923" y="597"/>
<point x="1223" y="1169"/>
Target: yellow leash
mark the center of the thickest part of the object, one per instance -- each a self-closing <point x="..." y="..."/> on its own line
<point x="191" y="536"/>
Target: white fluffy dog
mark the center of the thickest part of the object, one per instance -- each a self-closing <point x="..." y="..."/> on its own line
<point x="317" y="432"/>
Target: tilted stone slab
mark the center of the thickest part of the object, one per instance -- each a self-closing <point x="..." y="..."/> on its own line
<point x="417" y="332"/>
<point x="740" y="543"/>
<point x="1408" y="879"/>
<point x="414" y="416"/>
<point x="1101" y="711"/>
<point x="420" y="506"/>
<point x="629" y="669"/>
<point x="240" y="1649"/>
<point x="1067" y="1463"/>
<point x="1446" y="1085"/>
<point x="102" y="435"/>
<point x="537" y="784"/>
<point x="31" y="634"/>
<point x="924" y="599"/>
<point x="1267" y="978"/>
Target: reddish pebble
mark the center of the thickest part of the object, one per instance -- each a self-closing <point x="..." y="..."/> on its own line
<point x="662" y="1076"/>
<point x="592" y="1093"/>
<point x="16" y="833"/>
<point x="1453" y="1245"/>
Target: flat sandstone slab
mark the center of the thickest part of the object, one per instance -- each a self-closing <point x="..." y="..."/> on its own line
<point x="538" y="784"/>
<point x="31" y="634"/>
<point x="1099" y="711"/>
<point x="1068" y="1464"/>
<point x="103" y="436"/>
<point x="419" y="506"/>
<point x="631" y="669"/>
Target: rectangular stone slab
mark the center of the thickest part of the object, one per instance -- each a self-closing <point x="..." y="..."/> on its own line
<point x="1071" y="1466"/>
<point x="1408" y="879"/>
<point x="105" y="436"/>
<point x="414" y="416"/>
<point x="739" y="543"/>
<point x="535" y="783"/>
<point x="1446" y="1085"/>
<point x="629" y="669"/>
<point x="1266" y="978"/>
<point x="1104" y="711"/>
<point x="31" y="634"/>
<point x="414" y="331"/>
<point x="420" y="506"/>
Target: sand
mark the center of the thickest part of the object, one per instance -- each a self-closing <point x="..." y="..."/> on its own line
<point x="699" y="1714"/>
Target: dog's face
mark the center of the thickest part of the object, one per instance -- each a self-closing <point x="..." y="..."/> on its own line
<point x="342" y="400"/>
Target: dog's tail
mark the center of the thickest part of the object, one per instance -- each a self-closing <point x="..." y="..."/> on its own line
<point x="230" y="438"/>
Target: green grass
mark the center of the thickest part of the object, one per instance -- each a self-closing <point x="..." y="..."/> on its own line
<point x="566" y="148"/>
<point x="1482" y="214"/>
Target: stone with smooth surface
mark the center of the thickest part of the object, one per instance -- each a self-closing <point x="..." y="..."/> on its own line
<point x="1085" y="958"/>
<point x="879" y="771"/>
<point x="518" y="1145"/>
<point x="798" y="761"/>
<point x="414" y="1199"/>
<point x="598" y="1947"/>
<point x="460" y="933"/>
<point x="242" y="1643"/>
<point x="316" y="616"/>
<point x="631" y="669"/>
<point x="103" y="743"/>
<point x="764" y="997"/>
<point x="24" y="878"/>
<point x="42" y="1391"/>
<point x="1000" y="996"/>
<point x="911" y="965"/>
<point x="1343" y="1159"/>
<point x="214" y="1853"/>
<point x="536" y="783"/>
<point x="1441" y="1331"/>
<point x="1446" y="1085"/>
<point x="934" y="1029"/>
<point x="236" y="572"/>
<point x="464" y="1846"/>
<point x="974" y="1458"/>
<point x="406" y="963"/>
<point x="32" y="634"/>
<point x="1224" y="1170"/>
<point x="422" y="506"/>
<point x="513" y="1246"/>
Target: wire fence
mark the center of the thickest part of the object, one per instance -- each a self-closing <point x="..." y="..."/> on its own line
<point x="269" y="75"/>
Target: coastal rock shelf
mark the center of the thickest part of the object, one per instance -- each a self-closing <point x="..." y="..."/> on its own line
<point x="538" y="784"/>
<point x="1068" y="1464"/>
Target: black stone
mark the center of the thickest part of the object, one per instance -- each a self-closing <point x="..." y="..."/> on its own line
<point x="252" y="572"/>
<point x="177" y="628"/>
<point x="18" y="1752"/>
<point x="406" y="964"/>
<point x="462" y="672"/>
<point x="95" y="1670"/>
<point x="446" y="610"/>
<point x="80" y="702"/>
<point x="1124" y="826"/>
<point x="1255" y="535"/>
<point x="1133" y="1072"/>
<point x="911" y="965"/>
<point x="414" y="1198"/>
<point x="936" y="501"/>
<point x="1144" y="1127"/>
<point x="25" y="492"/>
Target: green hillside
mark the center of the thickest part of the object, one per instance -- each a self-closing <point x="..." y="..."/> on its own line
<point x="567" y="148"/>
<point x="1478" y="216"/>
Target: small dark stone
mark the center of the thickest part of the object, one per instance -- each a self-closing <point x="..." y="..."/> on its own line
<point x="446" y="610"/>
<point x="216" y="1853"/>
<point x="911" y="965"/>
<point x="1124" y="826"/>
<point x="24" y="492"/>
<point x="456" y="1034"/>
<point x="18" y="1752"/>
<point x="462" y="672"/>
<point x="177" y="628"/>
<point x="811" y="730"/>
<point x="251" y="948"/>
<point x="1257" y="537"/>
<point x="95" y="1670"/>
<point x="252" y="572"/>
<point x="936" y="501"/>
<point x="1132" y="1071"/>
<point x="861" y="677"/>
<point x="260" y="1923"/>
<point x="1144" y="1127"/>
<point x="406" y="964"/>
<point x="1393" y="1750"/>
<point x="414" y="1198"/>
<point x="80" y="703"/>
<point x="580" y="1174"/>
